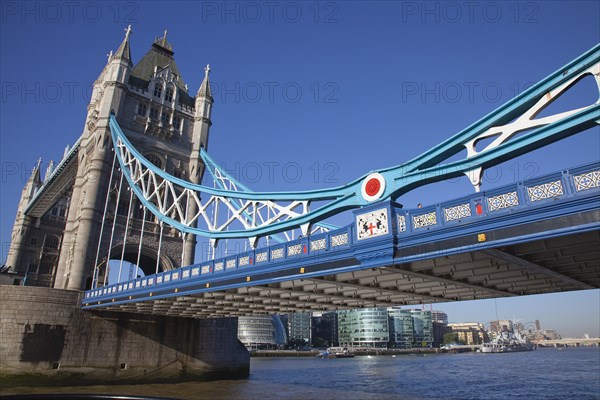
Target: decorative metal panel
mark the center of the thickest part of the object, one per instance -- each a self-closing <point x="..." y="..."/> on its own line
<point x="205" y="269"/>
<point x="195" y="271"/>
<point x="318" y="244"/>
<point x="503" y="201"/>
<point x="372" y="224"/>
<point x="243" y="261"/>
<point x="294" y="250"/>
<point x="423" y="220"/>
<point x="219" y="266"/>
<point x="175" y="276"/>
<point x="167" y="278"/>
<point x="545" y="191"/>
<point x="277" y="253"/>
<point x="186" y="274"/>
<point x="457" y="212"/>
<point x="261" y="257"/>
<point x="339" y="240"/>
<point x="401" y="223"/>
<point x="230" y="264"/>
<point x="586" y="181"/>
<point x="159" y="279"/>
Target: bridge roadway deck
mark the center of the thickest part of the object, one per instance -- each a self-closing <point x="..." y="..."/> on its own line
<point x="533" y="237"/>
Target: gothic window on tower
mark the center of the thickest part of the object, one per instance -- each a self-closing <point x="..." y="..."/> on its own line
<point x="157" y="90"/>
<point x="169" y="95"/>
<point x="154" y="113"/>
<point x="51" y="242"/>
<point x="142" y="109"/>
<point x="177" y="123"/>
<point x="47" y="265"/>
<point x="164" y="118"/>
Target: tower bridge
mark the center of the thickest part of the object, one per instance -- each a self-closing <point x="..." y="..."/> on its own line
<point x="545" y="239"/>
<point x="130" y="190"/>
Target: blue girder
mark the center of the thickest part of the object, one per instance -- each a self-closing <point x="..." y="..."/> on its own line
<point x="400" y="179"/>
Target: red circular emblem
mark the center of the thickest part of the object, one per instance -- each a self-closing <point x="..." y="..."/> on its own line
<point x="372" y="187"/>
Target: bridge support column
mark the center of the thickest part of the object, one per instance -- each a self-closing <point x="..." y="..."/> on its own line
<point x="48" y="339"/>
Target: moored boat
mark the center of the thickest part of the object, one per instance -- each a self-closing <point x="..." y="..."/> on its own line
<point x="507" y="342"/>
<point x="336" y="352"/>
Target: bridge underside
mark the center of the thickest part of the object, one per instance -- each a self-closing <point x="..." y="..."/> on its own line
<point x="557" y="264"/>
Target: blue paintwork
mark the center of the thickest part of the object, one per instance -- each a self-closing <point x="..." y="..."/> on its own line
<point x="372" y="252"/>
<point x="420" y="171"/>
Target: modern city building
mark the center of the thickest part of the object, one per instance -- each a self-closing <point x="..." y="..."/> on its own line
<point x="368" y="327"/>
<point x="299" y="328"/>
<point x="422" y="328"/>
<point x="439" y="320"/>
<point x="261" y="332"/>
<point x="401" y="328"/>
<point x="439" y="316"/>
<point x="325" y="329"/>
<point x="385" y="327"/>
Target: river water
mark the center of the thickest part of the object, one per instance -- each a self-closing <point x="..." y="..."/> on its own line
<point x="572" y="373"/>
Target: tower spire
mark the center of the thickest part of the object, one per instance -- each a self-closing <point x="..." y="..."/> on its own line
<point x="204" y="90"/>
<point x="123" y="51"/>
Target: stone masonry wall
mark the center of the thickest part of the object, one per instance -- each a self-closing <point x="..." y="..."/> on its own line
<point x="46" y="338"/>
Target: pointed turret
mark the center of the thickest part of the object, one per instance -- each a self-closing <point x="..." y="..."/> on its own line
<point x="204" y="99"/>
<point x="49" y="170"/>
<point x="123" y="52"/>
<point x="204" y="91"/>
<point x="34" y="182"/>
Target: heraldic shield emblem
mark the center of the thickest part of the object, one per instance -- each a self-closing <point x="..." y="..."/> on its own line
<point x="372" y="224"/>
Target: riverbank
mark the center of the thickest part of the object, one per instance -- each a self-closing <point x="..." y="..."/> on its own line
<point x="356" y="352"/>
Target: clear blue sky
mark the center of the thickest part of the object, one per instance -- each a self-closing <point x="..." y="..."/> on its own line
<point x="311" y="94"/>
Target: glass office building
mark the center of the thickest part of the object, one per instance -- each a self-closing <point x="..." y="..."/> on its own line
<point x="366" y="327"/>
<point x="385" y="327"/>
<point x="422" y="328"/>
<point x="299" y="327"/>
<point x="401" y="328"/>
<point x="261" y="332"/>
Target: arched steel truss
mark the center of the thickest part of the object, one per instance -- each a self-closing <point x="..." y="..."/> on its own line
<point x="233" y="211"/>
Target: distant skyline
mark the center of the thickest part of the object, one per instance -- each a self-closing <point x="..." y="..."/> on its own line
<point x="311" y="94"/>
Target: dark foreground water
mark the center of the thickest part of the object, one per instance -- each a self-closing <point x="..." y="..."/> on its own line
<point x="572" y="373"/>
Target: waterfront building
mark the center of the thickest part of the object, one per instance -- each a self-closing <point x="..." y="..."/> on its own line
<point x="469" y="333"/>
<point x="401" y="328"/>
<point x="258" y="332"/>
<point x="439" y="320"/>
<point x="325" y="329"/>
<point x="299" y="328"/>
<point x="422" y="328"/>
<point x="366" y="327"/>
<point x="439" y="317"/>
<point x="385" y="327"/>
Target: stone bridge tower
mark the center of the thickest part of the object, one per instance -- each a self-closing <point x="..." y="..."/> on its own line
<point x="168" y="126"/>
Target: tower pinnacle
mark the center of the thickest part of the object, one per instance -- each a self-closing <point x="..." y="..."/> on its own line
<point x="123" y="51"/>
<point x="204" y="90"/>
